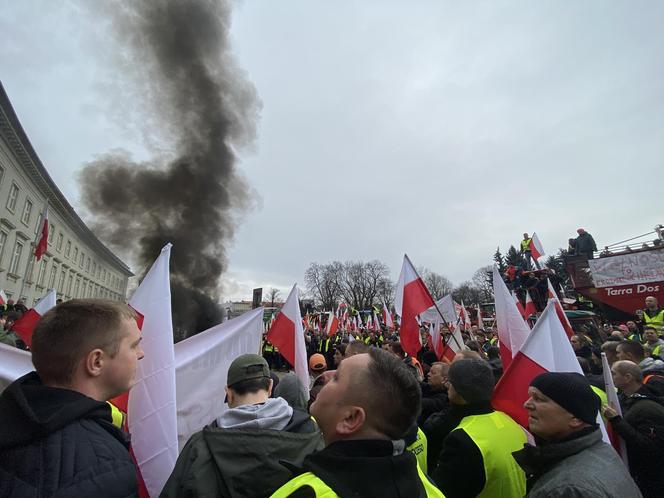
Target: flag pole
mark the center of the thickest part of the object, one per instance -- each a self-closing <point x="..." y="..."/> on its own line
<point x="435" y="304"/>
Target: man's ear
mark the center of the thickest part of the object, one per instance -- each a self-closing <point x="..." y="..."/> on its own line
<point x="269" y="388"/>
<point x="229" y="396"/>
<point x="94" y="362"/>
<point x="576" y="423"/>
<point x="353" y="420"/>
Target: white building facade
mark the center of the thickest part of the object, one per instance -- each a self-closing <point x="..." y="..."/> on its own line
<point x="76" y="263"/>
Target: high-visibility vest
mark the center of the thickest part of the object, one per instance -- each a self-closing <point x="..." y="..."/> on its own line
<point x="656" y="321"/>
<point x="117" y="415"/>
<point x="525" y="245"/>
<point x="419" y="449"/>
<point x="325" y="341"/>
<point x="497" y="436"/>
<point x="657" y="351"/>
<point x="322" y="490"/>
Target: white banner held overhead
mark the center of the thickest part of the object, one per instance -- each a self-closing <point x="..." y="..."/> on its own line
<point x="201" y="368"/>
<point x="14" y="363"/>
<point x="625" y="269"/>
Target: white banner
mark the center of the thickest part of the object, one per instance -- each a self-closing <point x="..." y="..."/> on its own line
<point x="14" y="363"/>
<point x="626" y="269"/>
<point x="201" y="367"/>
<point x="446" y="307"/>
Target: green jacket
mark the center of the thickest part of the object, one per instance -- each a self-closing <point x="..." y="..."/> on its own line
<point x="8" y="337"/>
<point x="218" y="462"/>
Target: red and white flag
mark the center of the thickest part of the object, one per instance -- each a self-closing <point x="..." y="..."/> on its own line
<point x="332" y="324"/>
<point x="387" y="318"/>
<point x="370" y="324"/>
<point x="3" y="297"/>
<point x="25" y="325"/>
<point x="287" y="335"/>
<point x="376" y="321"/>
<point x="512" y="330"/>
<point x="467" y="324"/>
<point x="436" y="340"/>
<point x="480" y="322"/>
<point x="536" y="248"/>
<point x="530" y="306"/>
<point x="559" y="310"/>
<point x="151" y="407"/>
<point x="41" y="243"/>
<point x="547" y="349"/>
<point x="411" y="298"/>
<point x="519" y="306"/>
<point x="612" y="398"/>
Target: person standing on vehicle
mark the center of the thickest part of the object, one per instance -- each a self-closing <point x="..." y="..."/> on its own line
<point x="652" y="315"/>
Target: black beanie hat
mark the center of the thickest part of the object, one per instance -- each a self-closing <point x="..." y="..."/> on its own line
<point x="472" y="379"/>
<point x="572" y="391"/>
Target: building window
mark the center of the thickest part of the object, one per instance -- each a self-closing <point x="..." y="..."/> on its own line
<point x="75" y="258"/>
<point x="13" y="197"/>
<point x="27" y="212"/>
<point x="3" y="243"/>
<point x="82" y="260"/>
<point x="68" y="249"/>
<point x="58" y="245"/>
<point x="41" y="276"/>
<point x="51" y="279"/>
<point x="84" y="288"/>
<point x="94" y="268"/>
<point x="51" y="231"/>
<point x="77" y="285"/>
<point x="2" y="174"/>
<point x="61" y="282"/>
<point x="87" y="264"/>
<point x="16" y="258"/>
<point x="70" y="281"/>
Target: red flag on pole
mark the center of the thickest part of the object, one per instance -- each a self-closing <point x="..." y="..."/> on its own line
<point x="411" y="298"/>
<point x="332" y="324"/>
<point x="536" y="248"/>
<point x="512" y="330"/>
<point x="530" y="306"/>
<point x="559" y="310"/>
<point x="41" y="243"/>
<point x="25" y="325"/>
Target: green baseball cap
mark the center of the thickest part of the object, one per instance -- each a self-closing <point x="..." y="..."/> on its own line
<point x="247" y="366"/>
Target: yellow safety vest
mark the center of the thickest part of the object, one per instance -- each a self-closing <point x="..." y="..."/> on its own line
<point x="656" y="321"/>
<point x="117" y="415"/>
<point x="525" y="245"/>
<point x="322" y="490"/>
<point x="497" y="436"/>
<point x="419" y="449"/>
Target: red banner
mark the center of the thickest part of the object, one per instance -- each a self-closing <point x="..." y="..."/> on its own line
<point x="627" y="298"/>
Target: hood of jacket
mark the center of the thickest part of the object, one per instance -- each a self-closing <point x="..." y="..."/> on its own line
<point x="370" y="467"/>
<point x="274" y="414"/>
<point x="649" y="365"/>
<point x="29" y="410"/>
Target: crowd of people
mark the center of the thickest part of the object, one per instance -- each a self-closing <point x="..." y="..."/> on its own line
<point x="373" y="421"/>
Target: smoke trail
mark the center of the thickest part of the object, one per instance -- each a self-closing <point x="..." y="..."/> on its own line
<point x="178" y="56"/>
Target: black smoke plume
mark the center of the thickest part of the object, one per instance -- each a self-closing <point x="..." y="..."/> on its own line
<point x="177" y="57"/>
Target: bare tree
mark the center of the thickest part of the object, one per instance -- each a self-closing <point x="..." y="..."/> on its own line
<point x="438" y="285"/>
<point x="483" y="280"/>
<point x="322" y="282"/>
<point x="273" y="295"/>
<point x="467" y="293"/>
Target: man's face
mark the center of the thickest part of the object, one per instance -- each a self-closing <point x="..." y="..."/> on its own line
<point x="650" y="336"/>
<point x="651" y="302"/>
<point x="623" y="355"/>
<point x="607" y="328"/>
<point x="546" y="418"/>
<point x="632" y="326"/>
<point x="576" y="343"/>
<point x="119" y="373"/>
<point x="619" y="380"/>
<point x="436" y="377"/>
<point x="331" y="405"/>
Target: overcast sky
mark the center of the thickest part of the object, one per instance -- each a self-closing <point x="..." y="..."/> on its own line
<point x="440" y="129"/>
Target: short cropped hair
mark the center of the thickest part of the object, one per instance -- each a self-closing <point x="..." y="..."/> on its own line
<point x="69" y="331"/>
<point x="610" y="346"/>
<point x="394" y="399"/>
<point x="251" y="386"/>
<point x="629" y="367"/>
<point x="635" y="348"/>
<point x="356" y="347"/>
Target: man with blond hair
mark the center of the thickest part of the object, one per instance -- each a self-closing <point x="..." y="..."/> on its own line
<point x="57" y="436"/>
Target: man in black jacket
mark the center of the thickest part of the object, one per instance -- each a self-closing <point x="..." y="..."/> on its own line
<point x="364" y="412"/>
<point x="57" y="436"/>
<point x="641" y="426"/>
<point x="585" y="244"/>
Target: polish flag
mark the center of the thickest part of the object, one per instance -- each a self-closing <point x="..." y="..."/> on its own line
<point x="547" y="349"/>
<point x="25" y="325"/>
<point x="376" y="321"/>
<point x="480" y="322"/>
<point x="612" y="397"/>
<point x="530" y="306"/>
<point x="512" y="330"/>
<point x="3" y="297"/>
<point x="436" y="340"/>
<point x="387" y="318"/>
<point x="151" y="408"/>
<point x="559" y="310"/>
<point x="42" y="236"/>
<point x="519" y="306"/>
<point x="536" y="248"/>
<point x="332" y="324"/>
<point x="466" y="317"/>
<point x="287" y="335"/>
<point x="454" y="345"/>
<point x="411" y="298"/>
<point x="370" y="325"/>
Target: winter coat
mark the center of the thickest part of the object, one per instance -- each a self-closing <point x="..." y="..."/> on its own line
<point x="58" y="442"/>
<point x="585" y="244"/>
<point x="582" y="466"/>
<point x="642" y="428"/>
<point x="241" y="453"/>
